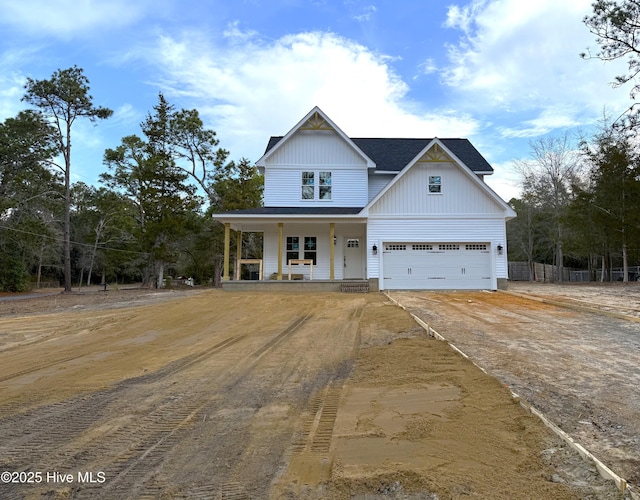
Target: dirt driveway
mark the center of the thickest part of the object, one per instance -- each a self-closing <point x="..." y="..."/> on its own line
<point x="261" y="395"/>
<point x="580" y="367"/>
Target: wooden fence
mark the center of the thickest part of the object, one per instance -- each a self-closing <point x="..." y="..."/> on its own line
<point x="547" y="273"/>
<point x="519" y="271"/>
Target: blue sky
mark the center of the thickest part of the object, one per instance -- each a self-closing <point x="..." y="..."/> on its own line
<point x="498" y="72"/>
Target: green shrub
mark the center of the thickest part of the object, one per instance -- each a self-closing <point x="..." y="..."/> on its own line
<point x="13" y="274"/>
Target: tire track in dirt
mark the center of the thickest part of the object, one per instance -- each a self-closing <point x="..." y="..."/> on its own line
<point x="42" y="366"/>
<point x="309" y="454"/>
<point x="138" y="446"/>
<point x="319" y="439"/>
<point x="182" y="364"/>
<point x="137" y="475"/>
<point x="498" y="313"/>
<point x="39" y="367"/>
<point x="290" y="330"/>
<point x="78" y="338"/>
<point x="150" y="486"/>
<point x="19" y="332"/>
<point x="325" y="393"/>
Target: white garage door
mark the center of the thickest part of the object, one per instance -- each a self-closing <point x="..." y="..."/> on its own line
<point x="451" y="266"/>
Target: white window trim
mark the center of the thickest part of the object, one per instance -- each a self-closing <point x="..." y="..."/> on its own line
<point x="301" y="247"/>
<point x="316" y="186"/>
<point x="429" y="184"/>
<point x="302" y="185"/>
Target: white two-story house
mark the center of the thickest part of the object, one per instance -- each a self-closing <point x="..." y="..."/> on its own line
<point x="398" y="213"/>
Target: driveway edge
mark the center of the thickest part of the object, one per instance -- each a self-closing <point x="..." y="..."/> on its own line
<point x="603" y="470"/>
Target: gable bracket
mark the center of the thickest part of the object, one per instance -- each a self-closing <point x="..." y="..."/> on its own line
<point x="435" y="154"/>
<point x="316" y="122"/>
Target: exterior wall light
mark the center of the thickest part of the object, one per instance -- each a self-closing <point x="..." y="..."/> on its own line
<point x="499" y="248"/>
<point x="375" y="249"/>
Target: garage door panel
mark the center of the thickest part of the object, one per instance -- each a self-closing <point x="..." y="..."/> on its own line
<point x="437" y="266"/>
<point x="396" y="271"/>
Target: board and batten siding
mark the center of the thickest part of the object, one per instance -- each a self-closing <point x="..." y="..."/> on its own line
<point x="462" y="230"/>
<point x="460" y="194"/>
<point x="321" y="147"/>
<point x="377" y="182"/>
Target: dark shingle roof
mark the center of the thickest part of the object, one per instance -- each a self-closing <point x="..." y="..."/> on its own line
<point x="394" y="154"/>
<point x="297" y="211"/>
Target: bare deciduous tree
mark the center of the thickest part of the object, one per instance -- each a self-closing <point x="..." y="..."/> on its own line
<point x="548" y="180"/>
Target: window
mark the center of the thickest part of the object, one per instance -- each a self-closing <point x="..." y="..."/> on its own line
<point x="393" y="247"/>
<point x="435" y="184"/>
<point x="449" y="246"/>
<point x="353" y="243"/>
<point x="476" y="246"/>
<point x="293" y="248"/>
<point x="309" y="190"/>
<point x="325" y="185"/>
<point x="422" y="246"/>
<point x="310" y="248"/>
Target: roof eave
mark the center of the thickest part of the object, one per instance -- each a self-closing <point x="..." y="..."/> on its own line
<point x="280" y="217"/>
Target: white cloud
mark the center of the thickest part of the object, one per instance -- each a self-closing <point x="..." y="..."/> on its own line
<point x="125" y="117"/>
<point x="551" y="118"/>
<point x="367" y="14"/>
<point x="11" y="91"/>
<point x="12" y="79"/>
<point x="252" y="89"/>
<point x="65" y="18"/>
<point x="428" y="67"/>
<point x="519" y="59"/>
<point x="237" y="35"/>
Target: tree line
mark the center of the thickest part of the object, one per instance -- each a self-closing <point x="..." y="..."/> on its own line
<point x="150" y="213"/>
<point x="580" y="203"/>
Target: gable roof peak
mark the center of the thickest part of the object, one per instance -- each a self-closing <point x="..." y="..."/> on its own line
<point x="314" y="120"/>
<point x="317" y="121"/>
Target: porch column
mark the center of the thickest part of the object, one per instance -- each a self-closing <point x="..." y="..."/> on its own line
<point x="280" y="224"/>
<point x="225" y="264"/>
<point x="332" y="249"/>
<point x="238" y="253"/>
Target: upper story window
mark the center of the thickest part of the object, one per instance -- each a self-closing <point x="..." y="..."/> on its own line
<point x="311" y="191"/>
<point x="435" y="184"/>
<point x="308" y="185"/>
<point x="325" y="186"/>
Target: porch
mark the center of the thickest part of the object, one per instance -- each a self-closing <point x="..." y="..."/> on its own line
<point x="323" y="250"/>
<point x="345" y="286"/>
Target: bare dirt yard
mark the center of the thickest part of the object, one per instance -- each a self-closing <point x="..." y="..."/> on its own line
<point x="213" y="394"/>
<point x="578" y="364"/>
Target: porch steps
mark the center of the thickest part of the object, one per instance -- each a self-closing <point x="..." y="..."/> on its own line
<point x="354" y="287"/>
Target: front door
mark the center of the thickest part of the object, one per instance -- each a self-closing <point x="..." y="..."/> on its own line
<point x="353" y="259"/>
